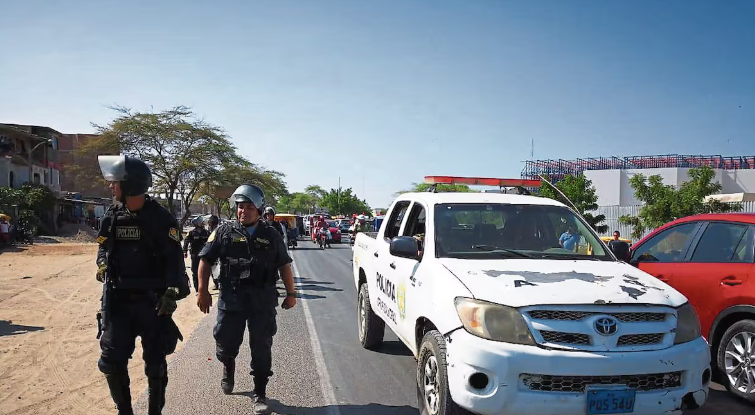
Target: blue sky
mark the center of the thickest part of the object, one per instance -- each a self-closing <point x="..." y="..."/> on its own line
<point x="466" y="85"/>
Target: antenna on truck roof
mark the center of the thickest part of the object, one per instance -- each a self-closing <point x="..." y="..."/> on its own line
<point x="520" y="184"/>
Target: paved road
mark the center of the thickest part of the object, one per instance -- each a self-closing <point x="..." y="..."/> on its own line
<point x="320" y="368"/>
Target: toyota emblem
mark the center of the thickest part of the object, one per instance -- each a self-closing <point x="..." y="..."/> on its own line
<point x="606" y="326"/>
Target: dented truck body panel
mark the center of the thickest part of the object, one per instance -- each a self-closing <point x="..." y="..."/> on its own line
<point x="564" y="305"/>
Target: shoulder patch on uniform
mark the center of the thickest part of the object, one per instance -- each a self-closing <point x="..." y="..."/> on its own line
<point x="173" y="233"/>
<point x="101" y="239"/>
<point x="212" y="236"/>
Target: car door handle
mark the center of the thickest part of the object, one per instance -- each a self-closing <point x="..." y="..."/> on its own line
<point x="376" y="254"/>
<point x="662" y="278"/>
<point x="393" y="265"/>
<point x="731" y="281"/>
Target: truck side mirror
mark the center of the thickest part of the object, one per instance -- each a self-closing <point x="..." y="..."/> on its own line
<point x="404" y="247"/>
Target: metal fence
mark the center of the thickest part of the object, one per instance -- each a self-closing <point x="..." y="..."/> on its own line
<point x="613" y="213"/>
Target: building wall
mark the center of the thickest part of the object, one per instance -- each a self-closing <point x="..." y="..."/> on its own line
<point x="613" y="188"/>
<point x="68" y="144"/>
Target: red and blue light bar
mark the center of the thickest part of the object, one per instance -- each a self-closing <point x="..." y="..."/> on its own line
<point x="482" y="181"/>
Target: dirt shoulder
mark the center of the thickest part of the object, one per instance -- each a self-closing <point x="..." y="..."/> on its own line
<point x="48" y="351"/>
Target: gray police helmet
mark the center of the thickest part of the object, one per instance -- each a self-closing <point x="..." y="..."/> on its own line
<point x="270" y="210"/>
<point x="248" y="193"/>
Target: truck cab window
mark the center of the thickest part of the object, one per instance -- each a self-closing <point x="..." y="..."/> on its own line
<point x="415" y="227"/>
<point x="394" y="223"/>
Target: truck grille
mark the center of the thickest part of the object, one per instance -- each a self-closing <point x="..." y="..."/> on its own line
<point x="581" y="315"/>
<point x="649" y="382"/>
<point x="602" y="327"/>
<point x="565" y="338"/>
<point x="639" y="339"/>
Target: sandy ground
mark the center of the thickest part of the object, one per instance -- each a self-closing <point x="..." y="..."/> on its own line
<point x="48" y="348"/>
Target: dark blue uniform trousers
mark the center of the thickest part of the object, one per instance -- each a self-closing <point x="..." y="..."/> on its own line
<point x="252" y="307"/>
<point x="127" y="321"/>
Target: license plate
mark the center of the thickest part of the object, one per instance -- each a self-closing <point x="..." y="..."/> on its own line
<point x="610" y="401"/>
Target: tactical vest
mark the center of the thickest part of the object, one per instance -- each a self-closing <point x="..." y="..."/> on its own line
<point x="199" y="238"/>
<point x="246" y="260"/>
<point x="137" y="259"/>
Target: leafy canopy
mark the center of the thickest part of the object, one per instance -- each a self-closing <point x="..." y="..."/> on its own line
<point x="581" y="192"/>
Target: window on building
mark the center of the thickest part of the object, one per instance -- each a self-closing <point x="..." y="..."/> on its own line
<point x="36" y="178"/>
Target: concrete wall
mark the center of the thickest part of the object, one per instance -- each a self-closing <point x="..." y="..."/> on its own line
<point x="613" y="188"/>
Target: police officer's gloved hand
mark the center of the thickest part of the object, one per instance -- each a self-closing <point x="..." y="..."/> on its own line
<point x="101" y="272"/>
<point x="166" y="305"/>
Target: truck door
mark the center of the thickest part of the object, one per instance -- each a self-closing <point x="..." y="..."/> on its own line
<point x="385" y="291"/>
<point x="407" y="272"/>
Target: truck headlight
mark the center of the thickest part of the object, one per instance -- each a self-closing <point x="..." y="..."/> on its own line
<point x="687" y="324"/>
<point x="493" y="321"/>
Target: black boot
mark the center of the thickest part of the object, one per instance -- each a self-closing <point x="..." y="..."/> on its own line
<point x="229" y="371"/>
<point x="260" y="398"/>
<point x="119" y="384"/>
<point x="156" y="394"/>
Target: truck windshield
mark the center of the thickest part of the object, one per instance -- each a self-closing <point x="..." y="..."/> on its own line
<point x="497" y="230"/>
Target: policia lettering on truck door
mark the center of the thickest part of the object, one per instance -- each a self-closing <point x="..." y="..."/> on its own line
<point x="252" y="255"/>
<point x="140" y="263"/>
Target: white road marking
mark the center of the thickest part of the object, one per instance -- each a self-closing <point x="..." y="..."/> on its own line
<point x="328" y="393"/>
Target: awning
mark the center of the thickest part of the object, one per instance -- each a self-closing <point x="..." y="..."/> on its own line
<point x="732" y="197"/>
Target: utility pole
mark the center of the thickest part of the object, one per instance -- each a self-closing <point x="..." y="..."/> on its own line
<point x="338" y="197"/>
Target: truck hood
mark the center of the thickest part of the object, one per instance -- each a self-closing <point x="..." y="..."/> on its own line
<point x="527" y="282"/>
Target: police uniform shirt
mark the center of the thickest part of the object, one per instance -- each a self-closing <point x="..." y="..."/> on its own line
<point x="150" y="228"/>
<point x="195" y="240"/>
<point x="265" y="241"/>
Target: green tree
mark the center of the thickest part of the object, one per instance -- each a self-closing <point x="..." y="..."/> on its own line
<point x="297" y="202"/>
<point x="581" y="192"/>
<point x="344" y="202"/>
<point x="217" y="190"/>
<point x="664" y="203"/>
<point x="182" y="151"/>
<point x="34" y="201"/>
<point x="443" y="188"/>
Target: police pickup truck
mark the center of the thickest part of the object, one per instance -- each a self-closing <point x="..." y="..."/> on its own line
<point x="512" y="304"/>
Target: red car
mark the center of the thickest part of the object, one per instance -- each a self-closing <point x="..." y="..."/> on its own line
<point x="335" y="232"/>
<point x="710" y="258"/>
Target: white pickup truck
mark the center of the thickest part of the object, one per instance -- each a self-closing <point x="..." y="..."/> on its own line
<point x="512" y="305"/>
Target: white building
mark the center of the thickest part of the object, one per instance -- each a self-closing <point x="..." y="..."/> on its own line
<point x="613" y="188"/>
<point x="610" y="176"/>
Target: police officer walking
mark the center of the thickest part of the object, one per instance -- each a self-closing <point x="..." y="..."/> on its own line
<point x="252" y="256"/>
<point x="196" y="239"/>
<point x="269" y="216"/>
<point x="140" y="263"/>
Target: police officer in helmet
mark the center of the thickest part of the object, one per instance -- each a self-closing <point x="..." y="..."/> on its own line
<point x="140" y="263"/>
<point x="269" y="216"/>
<point x="195" y="240"/>
<point x="252" y="256"/>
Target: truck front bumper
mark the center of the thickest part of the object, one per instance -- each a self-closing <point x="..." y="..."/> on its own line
<point x="531" y="380"/>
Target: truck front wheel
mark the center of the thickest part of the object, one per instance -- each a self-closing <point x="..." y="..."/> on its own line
<point x="371" y="327"/>
<point x="433" y="395"/>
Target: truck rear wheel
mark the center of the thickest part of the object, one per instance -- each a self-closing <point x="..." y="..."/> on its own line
<point x="371" y="327"/>
<point x="433" y="395"/>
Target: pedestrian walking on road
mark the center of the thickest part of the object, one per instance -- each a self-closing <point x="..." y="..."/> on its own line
<point x="143" y="274"/>
<point x="195" y="240"/>
<point x="252" y="256"/>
